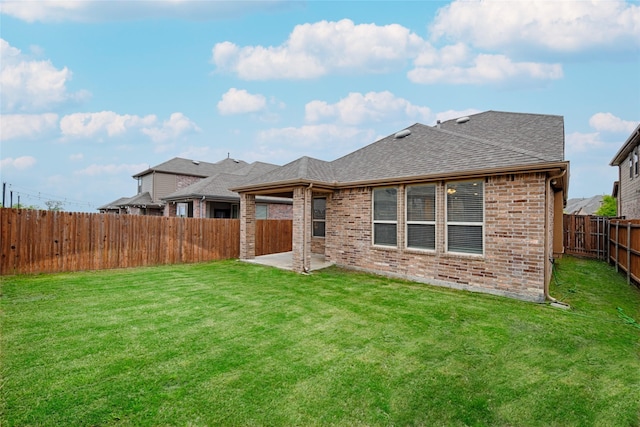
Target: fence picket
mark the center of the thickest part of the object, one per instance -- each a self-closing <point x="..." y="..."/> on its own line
<point x="34" y="242"/>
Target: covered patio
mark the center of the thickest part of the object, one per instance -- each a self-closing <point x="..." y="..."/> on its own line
<point x="284" y="261"/>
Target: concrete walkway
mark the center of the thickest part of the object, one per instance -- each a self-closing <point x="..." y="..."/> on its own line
<point x="284" y="261"/>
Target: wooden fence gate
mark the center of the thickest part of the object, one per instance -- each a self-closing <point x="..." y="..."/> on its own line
<point x="586" y="236"/>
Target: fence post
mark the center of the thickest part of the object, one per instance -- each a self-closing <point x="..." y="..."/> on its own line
<point x="629" y="253"/>
<point x="617" y="244"/>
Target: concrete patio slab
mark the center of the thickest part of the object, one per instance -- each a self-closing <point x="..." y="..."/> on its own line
<point x="284" y="261"/>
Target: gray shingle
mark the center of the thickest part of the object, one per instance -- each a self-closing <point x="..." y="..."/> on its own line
<point x="486" y="141"/>
<point x="180" y="166"/>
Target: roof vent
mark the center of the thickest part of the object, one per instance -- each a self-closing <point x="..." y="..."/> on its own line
<point x="463" y="120"/>
<point x="195" y="162"/>
<point x="402" y="134"/>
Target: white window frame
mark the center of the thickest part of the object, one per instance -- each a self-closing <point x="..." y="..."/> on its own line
<point x="379" y="221"/>
<point x="463" y="223"/>
<point x="408" y="222"/>
<point x="314" y="220"/>
<point x="635" y="162"/>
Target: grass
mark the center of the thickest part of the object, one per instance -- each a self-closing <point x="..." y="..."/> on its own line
<point x="228" y="343"/>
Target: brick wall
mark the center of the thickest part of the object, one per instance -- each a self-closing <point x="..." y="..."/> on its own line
<point x="279" y="211"/>
<point x="513" y="263"/>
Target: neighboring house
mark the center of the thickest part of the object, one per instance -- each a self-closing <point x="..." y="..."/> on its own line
<point x="583" y="206"/>
<point x="474" y="203"/>
<point x="211" y="197"/>
<point x="117" y="206"/>
<point x="627" y="189"/>
<point x="190" y="188"/>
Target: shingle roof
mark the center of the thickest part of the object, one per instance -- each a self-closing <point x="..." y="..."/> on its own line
<point x="304" y="168"/>
<point x="217" y="186"/>
<point x="115" y="204"/>
<point x="490" y="140"/>
<point x="180" y="166"/>
<point x="142" y="199"/>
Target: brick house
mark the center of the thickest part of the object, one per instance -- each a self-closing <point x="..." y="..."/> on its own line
<point x="190" y="188"/>
<point x="211" y="197"/>
<point x="474" y="203"/>
<point x="628" y="185"/>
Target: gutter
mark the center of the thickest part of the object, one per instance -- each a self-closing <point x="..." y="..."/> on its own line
<point x="547" y="256"/>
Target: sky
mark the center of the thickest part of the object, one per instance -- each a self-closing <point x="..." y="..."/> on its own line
<point x="93" y="92"/>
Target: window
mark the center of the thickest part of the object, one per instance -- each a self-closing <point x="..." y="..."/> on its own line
<point x="261" y="211"/>
<point x="319" y="214"/>
<point x="421" y="217"/>
<point x="635" y="162"/>
<point x="385" y="216"/>
<point x="630" y="165"/>
<point x="465" y="217"/>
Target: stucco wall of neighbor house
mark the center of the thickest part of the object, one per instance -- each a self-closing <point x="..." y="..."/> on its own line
<point x="279" y="211"/>
<point x="513" y="263"/>
<point x="629" y="193"/>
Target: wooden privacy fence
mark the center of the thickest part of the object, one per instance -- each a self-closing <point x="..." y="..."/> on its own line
<point x="33" y="241"/>
<point x="586" y="236"/>
<point x="624" y="247"/>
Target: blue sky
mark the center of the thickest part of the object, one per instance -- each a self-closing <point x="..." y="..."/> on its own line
<point x="93" y="92"/>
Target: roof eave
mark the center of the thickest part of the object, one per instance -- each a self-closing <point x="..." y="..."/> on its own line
<point x="626" y="148"/>
<point x="470" y="174"/>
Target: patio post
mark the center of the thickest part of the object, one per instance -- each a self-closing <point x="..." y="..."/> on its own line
<point x="301" y="244"/>
<point x="247" y="226"/>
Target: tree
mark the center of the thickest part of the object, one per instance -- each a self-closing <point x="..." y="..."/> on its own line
<point x="54" y="205"/>
<point x="609" y="206"/>
<point x="21" y="206"/>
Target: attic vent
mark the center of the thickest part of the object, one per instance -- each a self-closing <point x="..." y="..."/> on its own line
<point x="402" y="134"/>
<point x="463" y="120"/>
<point x="195" y="162"/>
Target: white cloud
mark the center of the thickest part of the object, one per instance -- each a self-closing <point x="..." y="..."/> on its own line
<point x="29" y="85"/>
<point x="239" y="101"/>
<point x="76" y="157"/>
<point x="104" y="122"/>
<point x="26" y="125"/>
<point x="580" y="142"/>
<point x="112" y="169"/>
<point x="485" y="68"/>
<point x="93" y="11"/>
<point x="19" y="163"/>
<point x="357" y="108"/>
<point x="609" y="123"/>
<point x="177" y="126"/>
<point x="314" y="50"/>
<point x="111" y="124"/>
<point x="557" y="26"/>
<point x="454" y="114"/>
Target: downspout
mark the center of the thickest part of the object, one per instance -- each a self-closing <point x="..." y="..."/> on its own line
<point x="306" y="226"/>
<point x="547" y="257"/>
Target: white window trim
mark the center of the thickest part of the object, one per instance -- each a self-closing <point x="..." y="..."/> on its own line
<point x="478" y="224"/>
<point x="407" y="222"/>
<point x="381" y="221"/>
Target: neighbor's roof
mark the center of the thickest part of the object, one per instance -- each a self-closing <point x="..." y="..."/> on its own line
<point x="627" y="147"/>
<point x="142" y="199"/>
<point x="115" y="204"/>
<point x="583" y="206"/>
<point x="180" y="166"/>
<point x="217" y="186"/>
<point x="486" y="141"/>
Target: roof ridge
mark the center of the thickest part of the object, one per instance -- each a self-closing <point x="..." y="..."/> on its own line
<point x="495" y="144"/>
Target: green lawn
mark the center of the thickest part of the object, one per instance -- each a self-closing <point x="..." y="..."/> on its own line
<point x="229" y="343"/>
